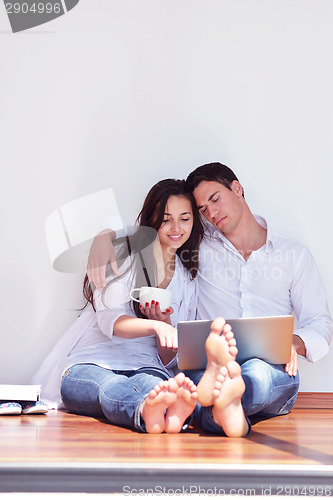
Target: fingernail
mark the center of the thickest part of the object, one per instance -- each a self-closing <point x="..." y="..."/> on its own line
<point x="147" y="304"/>
<point x="168" y="310"/>
<point x="157" y="303"/>
<point x="153" y="301"/>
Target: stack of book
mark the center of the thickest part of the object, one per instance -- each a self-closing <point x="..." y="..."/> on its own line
<point x="17" y="399"/>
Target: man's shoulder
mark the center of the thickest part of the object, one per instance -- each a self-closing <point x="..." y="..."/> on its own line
<point x="286" y="244"/>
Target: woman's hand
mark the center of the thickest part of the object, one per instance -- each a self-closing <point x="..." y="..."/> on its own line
<point x="153" y="311"/>
<point x="167" y="335"/>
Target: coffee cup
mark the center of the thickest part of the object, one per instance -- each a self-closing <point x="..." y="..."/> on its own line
<point x="149" y="293"/>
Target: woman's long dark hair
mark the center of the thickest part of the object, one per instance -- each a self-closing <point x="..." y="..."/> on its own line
<point x="151" y="216"/>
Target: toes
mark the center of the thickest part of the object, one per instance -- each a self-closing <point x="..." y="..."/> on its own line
<point x="179" y="378"/>
<point x="217" y="325"/>
<point x="189" y="383"/>
<point x="216" y="393"/>
<point x="220" y="379"/>
<point x="218" y="385"/>
<point x="223" y="371"/>
<point x="227" y="329"/>
<point x="230" y="338"/>
<point x="233" y="351"/>
<point x="153" y="393"/>
<point x="173" y="385"/>
<point x="233" y="369"/>
<point x="193" y="387"/>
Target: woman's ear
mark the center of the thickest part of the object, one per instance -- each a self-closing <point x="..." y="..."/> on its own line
<point x="236" y="187"/>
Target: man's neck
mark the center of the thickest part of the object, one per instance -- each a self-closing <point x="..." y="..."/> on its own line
<point x="248" y="236"/>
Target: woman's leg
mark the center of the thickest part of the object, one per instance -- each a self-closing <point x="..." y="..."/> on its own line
<point x="170" y="405"/>
<point x="94" y="391"/>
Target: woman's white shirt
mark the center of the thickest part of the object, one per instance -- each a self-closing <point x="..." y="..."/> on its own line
<point x="120" y="353"/>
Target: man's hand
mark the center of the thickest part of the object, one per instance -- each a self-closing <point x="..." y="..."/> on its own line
<point x="101" y="252"/>
<point x="298" y="347"/>
<point x="153" y="311"/>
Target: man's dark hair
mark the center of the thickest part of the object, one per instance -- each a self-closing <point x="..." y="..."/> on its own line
<point x="211" y="172"/>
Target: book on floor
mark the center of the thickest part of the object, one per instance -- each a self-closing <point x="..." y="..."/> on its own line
<point x="11" y="392"/>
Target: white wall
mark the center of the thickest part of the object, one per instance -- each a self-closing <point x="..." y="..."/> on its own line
<point x="121" y="94"/>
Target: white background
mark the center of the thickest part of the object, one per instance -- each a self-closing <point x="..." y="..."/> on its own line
<point x="123" y="93"/>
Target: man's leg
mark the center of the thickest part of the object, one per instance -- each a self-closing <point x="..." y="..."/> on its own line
<point x="221" y="386"/>
<point x="269" y="390"/>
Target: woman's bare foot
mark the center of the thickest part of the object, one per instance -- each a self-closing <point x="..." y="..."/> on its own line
<point x="182" y="408"/>
<point x="156" y="403"/>
<point x="220" y="348"/>
<point x="227" y="407"/>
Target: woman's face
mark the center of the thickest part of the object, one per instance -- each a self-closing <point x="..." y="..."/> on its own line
<point x="177" y="223"/>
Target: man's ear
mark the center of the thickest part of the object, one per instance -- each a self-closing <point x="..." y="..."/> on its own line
<point x="236" y="187"/>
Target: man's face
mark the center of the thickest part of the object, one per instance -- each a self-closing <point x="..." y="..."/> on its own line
<point x="221" y="206"/>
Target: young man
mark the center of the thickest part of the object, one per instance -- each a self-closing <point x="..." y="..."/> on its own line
<point x="247" y="269"/>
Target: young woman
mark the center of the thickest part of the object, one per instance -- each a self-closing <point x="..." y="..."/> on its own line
<point x="117" y="359"/>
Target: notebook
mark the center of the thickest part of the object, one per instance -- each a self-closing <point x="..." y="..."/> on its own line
<point x="268" y="338"/>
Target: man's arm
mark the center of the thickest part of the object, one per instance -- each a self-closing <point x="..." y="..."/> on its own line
<point x="314" y="330"/>
<point x="101" y="253"/>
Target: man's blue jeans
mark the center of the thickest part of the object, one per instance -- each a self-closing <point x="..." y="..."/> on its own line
<point x="269" y="391"/>
<point x="90" y="390"/>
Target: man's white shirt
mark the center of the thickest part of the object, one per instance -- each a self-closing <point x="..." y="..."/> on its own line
<point x="279" y="278"/>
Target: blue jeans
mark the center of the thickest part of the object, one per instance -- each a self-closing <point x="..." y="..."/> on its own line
<point x="269" y="391"/>
<point x="90" y="390"/>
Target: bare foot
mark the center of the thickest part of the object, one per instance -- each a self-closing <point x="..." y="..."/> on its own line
<point x="227" y="407"/>
<point x="182" y="408"/>
<point x="220" y="348"/>
<point x="156" y="403"/>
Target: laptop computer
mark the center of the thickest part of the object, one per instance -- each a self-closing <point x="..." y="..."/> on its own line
<point x="268" y="338"/>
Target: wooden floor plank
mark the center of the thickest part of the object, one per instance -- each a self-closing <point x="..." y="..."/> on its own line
<point x="302" y="437"/>
<point x="314" y="400"/>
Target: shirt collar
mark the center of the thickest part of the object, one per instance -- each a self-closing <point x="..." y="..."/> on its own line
<point x="271" y="237"/>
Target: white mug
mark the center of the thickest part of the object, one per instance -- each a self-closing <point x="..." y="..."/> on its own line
<point x="149" y="293"/>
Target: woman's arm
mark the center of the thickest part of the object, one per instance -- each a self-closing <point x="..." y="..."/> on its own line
<point x="129" y="327"/>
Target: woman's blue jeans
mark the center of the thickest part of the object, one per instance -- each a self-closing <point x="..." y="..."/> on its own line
<point x="269" y="391"/>
<point x="90" y="390"/>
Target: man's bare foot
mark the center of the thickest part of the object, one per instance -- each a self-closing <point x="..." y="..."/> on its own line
<point x="182" y="408"/>
<point x="220" y="348"/>
<point x="227" y="407"/>
<point x="154" y="406"/>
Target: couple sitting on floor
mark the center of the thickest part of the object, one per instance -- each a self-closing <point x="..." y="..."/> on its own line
<point x="119" y="359"/>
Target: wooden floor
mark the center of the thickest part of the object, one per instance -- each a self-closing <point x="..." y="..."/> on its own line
<point x="64" y="452"/>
